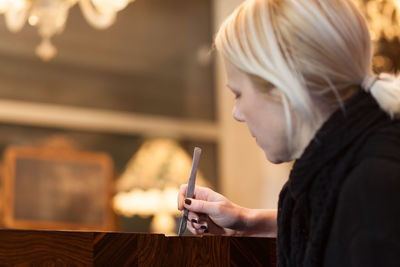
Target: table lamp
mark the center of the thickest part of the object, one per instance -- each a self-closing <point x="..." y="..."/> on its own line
<point x="150" y="183"/>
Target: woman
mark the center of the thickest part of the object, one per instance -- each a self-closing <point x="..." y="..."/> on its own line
<point x="301" y="74"/>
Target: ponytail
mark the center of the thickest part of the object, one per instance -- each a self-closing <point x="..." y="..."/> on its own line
<point x="385" y="88"/>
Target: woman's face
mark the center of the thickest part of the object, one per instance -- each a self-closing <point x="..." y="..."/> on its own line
<point x="262" y="113"/>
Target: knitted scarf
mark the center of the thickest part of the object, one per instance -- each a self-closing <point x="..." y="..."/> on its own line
<point x="307" y="201"/>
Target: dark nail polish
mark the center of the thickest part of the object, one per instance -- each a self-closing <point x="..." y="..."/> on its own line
<point x="188" y="201"/>
<point x="194" y="220"/>
<point x="206" y="231"/>
<point x="203" y="227"/>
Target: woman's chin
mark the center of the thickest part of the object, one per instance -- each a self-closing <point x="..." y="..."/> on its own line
<point x="276" y="159"/>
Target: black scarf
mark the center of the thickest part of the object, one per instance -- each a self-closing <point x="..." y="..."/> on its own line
<point x="307" y="201"/>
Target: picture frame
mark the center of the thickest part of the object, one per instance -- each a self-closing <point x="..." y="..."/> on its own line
<point x="57" y="189"/>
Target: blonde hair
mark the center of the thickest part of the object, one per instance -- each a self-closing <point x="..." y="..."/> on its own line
<point x="308" y="49"/>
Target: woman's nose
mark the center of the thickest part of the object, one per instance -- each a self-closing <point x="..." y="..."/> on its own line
<point x="237" y="115"/>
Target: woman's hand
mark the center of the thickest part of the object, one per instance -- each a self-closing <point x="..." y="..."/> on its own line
<point x="211" y="212"/>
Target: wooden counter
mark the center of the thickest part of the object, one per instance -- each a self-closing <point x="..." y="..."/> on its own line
<point x="67" y="248"/>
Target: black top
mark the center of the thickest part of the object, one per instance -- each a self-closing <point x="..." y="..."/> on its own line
<point x="341" y="205"/>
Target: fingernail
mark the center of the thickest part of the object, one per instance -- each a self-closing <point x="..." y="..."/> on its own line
<point x="206" y="231"/>
<point x="194" y="220"/>
<point x="203" y="227"/>
<point x="188" y="201"/>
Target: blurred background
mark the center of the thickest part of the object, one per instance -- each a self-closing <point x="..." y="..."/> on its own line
<point x="103" y="101"/>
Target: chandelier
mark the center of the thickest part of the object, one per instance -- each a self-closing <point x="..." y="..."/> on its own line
<point x="383" y="18"/>
<point x="50" y="16"/>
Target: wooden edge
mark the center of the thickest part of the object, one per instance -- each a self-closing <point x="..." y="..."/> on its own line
<point x="143" y="249"/>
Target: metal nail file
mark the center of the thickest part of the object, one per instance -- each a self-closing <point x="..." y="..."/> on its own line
<point x="190" y="188"/>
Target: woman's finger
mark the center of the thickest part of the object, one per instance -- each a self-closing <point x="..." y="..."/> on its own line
<point x="199" y="225"/>
<point x="199" y="193"/>
<point x="194" y="230"/>
<point x="204" y="221"/>
<point x="193" y="217"/>
<point x="201" y="206"/>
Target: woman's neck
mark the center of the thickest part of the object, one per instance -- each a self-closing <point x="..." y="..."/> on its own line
<point x="325" y="109"/>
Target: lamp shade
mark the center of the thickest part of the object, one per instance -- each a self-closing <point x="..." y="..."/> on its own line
<point x="159" y="163"/>
<point x="150" y="182"/>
